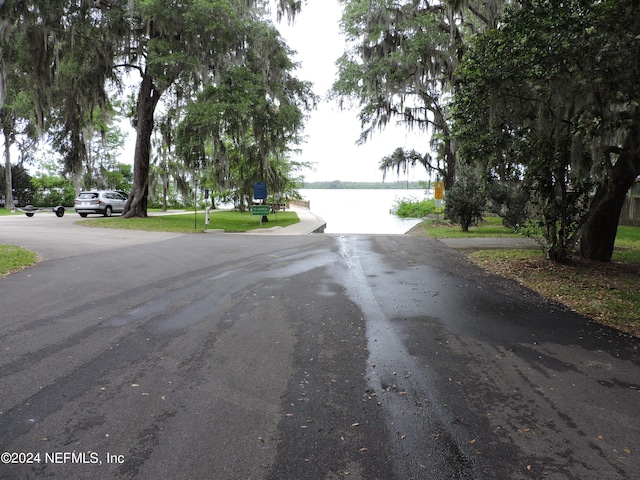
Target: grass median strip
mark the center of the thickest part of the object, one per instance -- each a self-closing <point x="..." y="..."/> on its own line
<point x="490" y="227"/>
<point x="229" y="221"/>
<point x="14" y="258"/>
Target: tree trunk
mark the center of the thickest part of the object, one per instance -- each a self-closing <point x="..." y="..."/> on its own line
<point x="148" y="97"/>
<point x="165" y="190"/>
<point x="599" y="232"/>
<point x="7" y="172"/>
<point x="465" y="222"/>
<point x="449" y="172"/>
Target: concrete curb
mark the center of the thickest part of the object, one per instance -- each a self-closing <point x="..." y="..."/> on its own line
<point x="309" y="223"/>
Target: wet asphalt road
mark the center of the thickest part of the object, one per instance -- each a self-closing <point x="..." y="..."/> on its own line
<point x="163" y="356"/>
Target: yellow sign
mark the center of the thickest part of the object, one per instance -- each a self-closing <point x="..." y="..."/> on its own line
<point x="439" y="191"/>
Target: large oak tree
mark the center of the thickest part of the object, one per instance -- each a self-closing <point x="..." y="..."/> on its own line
<point x="57" y="57"/>
<point x="184" y="43"/>
<point x="551" y="99"/>
<point x="78" y="47"/>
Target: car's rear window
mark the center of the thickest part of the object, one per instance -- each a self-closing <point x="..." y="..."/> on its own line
<point x="86" y="195"/>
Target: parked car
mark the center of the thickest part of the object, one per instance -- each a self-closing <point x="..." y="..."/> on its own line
<point x="104" y="202"/>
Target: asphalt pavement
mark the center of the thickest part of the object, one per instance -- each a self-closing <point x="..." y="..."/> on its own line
<point x="291" y="356"/>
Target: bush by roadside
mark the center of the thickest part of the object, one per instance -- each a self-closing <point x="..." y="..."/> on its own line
<point x="412" y="208"/>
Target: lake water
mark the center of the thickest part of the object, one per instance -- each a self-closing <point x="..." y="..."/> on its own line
<point x="361" y="211"/>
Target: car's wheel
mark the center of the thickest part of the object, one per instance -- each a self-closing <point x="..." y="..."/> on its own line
<point x="83" y="215"/>
<point x="107" y="211"/>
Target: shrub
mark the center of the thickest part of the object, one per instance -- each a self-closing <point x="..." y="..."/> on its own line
<point x="412" y="208"/>
<point x="465" y="200"/>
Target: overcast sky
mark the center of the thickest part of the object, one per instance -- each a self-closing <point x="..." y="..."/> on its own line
<point x="331" y="133"/>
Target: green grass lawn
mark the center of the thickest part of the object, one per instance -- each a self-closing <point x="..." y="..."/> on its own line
<point x="4" y="212"/>
<point x="489" y="227"/>
<point x="229" y="221"/>
<point x="627" y="246"/>
<point x="13" y="259"/>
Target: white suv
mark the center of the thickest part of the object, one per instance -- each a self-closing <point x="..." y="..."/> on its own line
<point x="104" y="202"/>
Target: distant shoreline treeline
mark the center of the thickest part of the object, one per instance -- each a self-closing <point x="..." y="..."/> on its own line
<point x="339" y="185"/>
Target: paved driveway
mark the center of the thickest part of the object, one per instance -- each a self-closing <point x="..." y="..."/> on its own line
<point x="298" y="357"/>
<point x="54" y="237"/>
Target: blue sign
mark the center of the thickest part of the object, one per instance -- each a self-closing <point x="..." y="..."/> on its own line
<point x="260" y="190"/>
